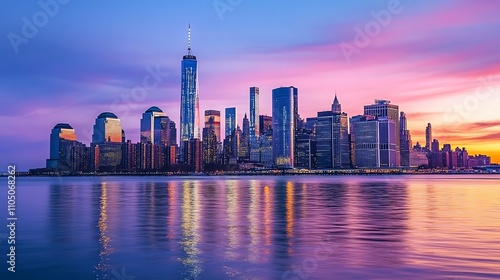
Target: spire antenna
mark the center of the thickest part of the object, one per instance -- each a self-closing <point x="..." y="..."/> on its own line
<point x="189" y="38"/>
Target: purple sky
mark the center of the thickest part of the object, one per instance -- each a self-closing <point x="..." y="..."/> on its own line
<point x="438" y="60"/>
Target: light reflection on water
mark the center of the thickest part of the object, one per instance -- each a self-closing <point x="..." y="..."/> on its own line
<point x="309" y="227"/>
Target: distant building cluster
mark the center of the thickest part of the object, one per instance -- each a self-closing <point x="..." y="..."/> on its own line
<point x="330" y="140"/>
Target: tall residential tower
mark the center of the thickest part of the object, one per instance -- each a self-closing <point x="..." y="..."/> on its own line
<point x="428" y="137"/>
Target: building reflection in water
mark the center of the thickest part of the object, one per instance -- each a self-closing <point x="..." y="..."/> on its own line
<point x="190" y="230"/>
<point x="104" y="239"/>
<point x="254" y="222"/>
<point x="232" y="211"/>
<point x="267" y="218"/>
<point x="172" y="210"/>
<point x="380" y="224"/>
<point x="289" y="215"/>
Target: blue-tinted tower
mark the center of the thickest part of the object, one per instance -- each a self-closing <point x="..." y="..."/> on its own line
<point x="190" y="112"/>
<point x="230" y="121"/>
<point x="285" y="115"/>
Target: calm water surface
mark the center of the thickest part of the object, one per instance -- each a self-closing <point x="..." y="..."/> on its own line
<point x="298" y="227"/>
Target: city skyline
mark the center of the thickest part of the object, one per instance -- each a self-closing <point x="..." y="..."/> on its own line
<point x="318" y="68"/>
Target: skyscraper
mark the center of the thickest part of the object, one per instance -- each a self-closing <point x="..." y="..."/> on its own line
<point x="428" y="137"/>
<point x="148" y="132"/>
<point x="230" y="121"/>
<point x="254" y="112"/>
<point x="383" y="108"/>
<point x="190" y="115"/>
<point x="106" y="142"/>
<point x="254" y="143"/>
<point x="388" y="134"/>
<point x="435" y="145"/>
<point x="265" y="124"/>
<point x="212" y="120"/>
<point x="209" y="143"/>
<point x="374" y="141"/>
<point x="107" y="129"/>
<point x="405" y="141"/>
<point x="366" y="141"/>
<point x="173" y="134"/>
<point x="332" y="140"/>
<point x="305" y="149"/>
<point x="62" y="139"/>
<point x="244" y="149"/>
<point x="285" y="115"/>
<point x="336" y="107"/>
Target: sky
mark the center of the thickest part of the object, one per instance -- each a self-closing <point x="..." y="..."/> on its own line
<point x="66" y="61"/>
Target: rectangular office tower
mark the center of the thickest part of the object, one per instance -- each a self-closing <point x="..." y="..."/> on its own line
<point x="230" y="121"/>
<point x="254" y="144"/>
<point x="284" y="108"/>
<point x="305" y="149"/>
<point x="404" y="141"/>
<point x="374" y="141"/>
<point x="254" y="112"/>
<point x="212" y="120"/>
<point x="383" y="108"/>
<point x="332" y="140"/>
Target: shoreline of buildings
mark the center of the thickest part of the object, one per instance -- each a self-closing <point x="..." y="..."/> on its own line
<point x="377" y="139"/>
<point x="490" y="169"/>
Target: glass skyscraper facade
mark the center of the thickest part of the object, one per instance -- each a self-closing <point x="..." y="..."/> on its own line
<point x="209" y="143"/>
<point x="106" y="142"/>
<point x="265" y="124"/>
<point x="388" y="135"/>
<point x="332" y="140"/>
<point x="107" y="129"/>
<point x="254" y="113"/>
<point x="163" y="131"/>
<point x="190" y="115"/>
<point x="305" y="149"/>
<point x="374" y="141"/>
<point x="384" y="108"/>
<point x="212" y="121"/>
<point x="284" y="109"/>
<point x="62" y="141"/>
<point x="365" y="136"/>
<point x="148" y="129"/>
<point x="230" y="120"/>
<point x="405" y="141"/>
<point x="254" y="135"/>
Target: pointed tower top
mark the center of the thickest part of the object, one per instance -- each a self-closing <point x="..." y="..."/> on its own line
<point x="336" y="107"/>
<point x="189" y="38"/>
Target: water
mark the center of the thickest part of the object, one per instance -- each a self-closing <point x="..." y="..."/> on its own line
<point x="297" y="227"/>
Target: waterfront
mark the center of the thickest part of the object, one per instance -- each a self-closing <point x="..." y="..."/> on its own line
<point x="283" y="227"/>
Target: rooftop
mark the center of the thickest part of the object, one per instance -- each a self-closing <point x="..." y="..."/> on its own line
<point x="107" y="115"/>
<point x="154" y="109"/>
<point x="63" y="125"/>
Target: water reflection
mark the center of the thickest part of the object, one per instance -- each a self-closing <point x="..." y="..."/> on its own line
<point x="104" y="239"/>
<point x="380" y="223"/>
<point x="190" y="230"/>
<point x="289" y="215"/>
<point x="274" y="227"/>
